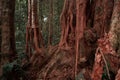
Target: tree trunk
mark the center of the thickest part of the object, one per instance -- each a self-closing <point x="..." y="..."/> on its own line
<point x="41" y="13"/>
<point x="8" y="31"/>
<point x="83" y="22"/>
<point x="34" y="39"/>
<point x="0" y="13"/>
<point x="68" y="24"/>
<point x="102" y="16"/>
<point x="8" y="48"/>
<point x="0" y="22"/>
<point x="0" y="33"/>
<point x="50" y="35"/>
<point x="115" y="33"/>
<point x="115" y="27"/>
<point x="40" y="20"/>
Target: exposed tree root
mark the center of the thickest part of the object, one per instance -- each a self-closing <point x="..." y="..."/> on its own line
<point x="77" y="44"/>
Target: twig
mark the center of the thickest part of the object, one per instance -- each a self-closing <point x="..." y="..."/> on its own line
<point x="107" y="69"/>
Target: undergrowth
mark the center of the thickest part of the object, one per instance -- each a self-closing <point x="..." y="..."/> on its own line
<point x="14" y="70"/>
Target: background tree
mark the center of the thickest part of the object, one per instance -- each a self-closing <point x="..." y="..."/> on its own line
<point x="20" y="23"/>
<point x="51" y="12"/>
<point x="0" y="21"/>
<point x="8" y="30"/>
<point x="8" y="48"/>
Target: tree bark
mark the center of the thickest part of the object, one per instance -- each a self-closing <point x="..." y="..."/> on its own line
<point x="115" y="27"/>
<point x="81" y="6"/>
<point x="83" y="22"/>
<point x="34" y="39"/>
<point x="50" y="35"/>
<point x="8" y="48"/>
<point x="0" y="22"/>
<point x="68" y="24"/>
<point x="8" y="30"/>
<point x="41" y="13"/>
<point x="102" y="16"/>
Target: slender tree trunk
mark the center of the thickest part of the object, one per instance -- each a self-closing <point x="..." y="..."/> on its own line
<point x="35" y="26"/>
<point x="40" y="21"/>
<point x="28" y="31"/>
<point x="0" y="22"/>
<point x="80" y="26"/>
<point x="50" y="35"/>
<point x="68" y="24"/>
<point x="41" y="13"/>
<point x="34" y="39"/>
<point x="0" y="34"/>
<point x="0" y="13"/>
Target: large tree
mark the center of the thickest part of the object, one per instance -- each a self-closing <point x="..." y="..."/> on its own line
<point x="8" y="49"/>
<point x="115" y="27"/>
<point x="83" y="23"/>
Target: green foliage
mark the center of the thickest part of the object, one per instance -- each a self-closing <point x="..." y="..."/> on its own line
<point x="20" y="26"/>
<point x="14" y="69"/>
<point x="105" y="74"/>
<point x="80" y="76"/>
<point x="20" y="23"/>
<point x="21" y="56"/>
<point x="43" y="12"/>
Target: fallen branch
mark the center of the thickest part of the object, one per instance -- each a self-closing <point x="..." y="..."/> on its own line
<point x="107" y="69"/>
